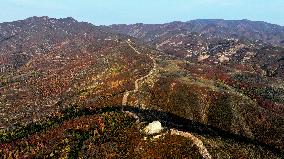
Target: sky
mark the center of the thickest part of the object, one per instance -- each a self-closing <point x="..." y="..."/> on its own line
<point x="105" y="12"/>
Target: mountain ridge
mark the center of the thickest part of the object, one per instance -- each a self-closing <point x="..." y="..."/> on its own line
<point x="232" y="28"/>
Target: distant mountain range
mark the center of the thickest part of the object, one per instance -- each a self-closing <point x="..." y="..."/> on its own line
<point x="210" y="28"/>
<point x="72" y="89"/>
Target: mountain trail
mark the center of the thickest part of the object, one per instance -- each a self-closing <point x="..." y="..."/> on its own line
<point x="137" y="81"/>
<point x="202" y="149"/>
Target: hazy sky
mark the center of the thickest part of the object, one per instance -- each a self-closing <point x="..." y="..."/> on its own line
<point x="146" y="11"/>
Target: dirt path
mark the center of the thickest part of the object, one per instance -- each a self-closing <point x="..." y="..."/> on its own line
<point x="202" y="149"/>
<point x="137" y="81"/>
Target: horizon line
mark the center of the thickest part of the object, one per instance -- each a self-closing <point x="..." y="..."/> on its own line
<point x="145" y="23"/>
